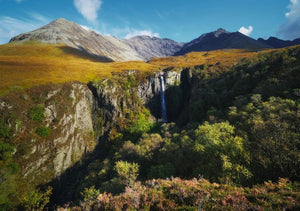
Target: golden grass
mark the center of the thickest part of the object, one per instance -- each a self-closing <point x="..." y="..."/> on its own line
<point x="31" y="64"/>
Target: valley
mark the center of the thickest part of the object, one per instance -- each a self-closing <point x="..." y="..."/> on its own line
<point x="186" y="127"/>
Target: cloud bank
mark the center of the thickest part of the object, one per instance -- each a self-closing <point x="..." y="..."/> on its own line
<point x="135" y="32"/>
<point x="88" y="9"/>
<point x="246" y="31"/>
<point x="291" y="28"/>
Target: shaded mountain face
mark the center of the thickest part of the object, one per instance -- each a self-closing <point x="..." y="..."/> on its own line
<point x="222" y="39"/>
<point x="151" y="47"/>
<point x="278" y="43"/>
<point x="138" y="48"/>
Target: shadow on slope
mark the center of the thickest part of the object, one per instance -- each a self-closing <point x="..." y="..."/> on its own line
<point x="81" y="53"/>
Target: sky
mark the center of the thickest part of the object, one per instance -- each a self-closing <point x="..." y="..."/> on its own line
<point x="180" y="20"/>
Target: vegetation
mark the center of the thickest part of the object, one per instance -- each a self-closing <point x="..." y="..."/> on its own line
<point x="37" y="200"/>
<point x="44" y="132"/>
<point x="36" y="113"/>
<point x="178" y="194"/>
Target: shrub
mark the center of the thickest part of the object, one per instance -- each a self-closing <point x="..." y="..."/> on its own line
<point x="36" y="113"/>
<point x="127" y="172"/>
<point x="36" y="199"/>
<point x="90" y="194"/>
<point x="44" y="132"/>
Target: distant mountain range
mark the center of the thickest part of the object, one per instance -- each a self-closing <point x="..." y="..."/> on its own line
<point x="142" y="47"/>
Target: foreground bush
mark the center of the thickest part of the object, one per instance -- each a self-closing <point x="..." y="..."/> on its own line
<point x="178" y="194"/>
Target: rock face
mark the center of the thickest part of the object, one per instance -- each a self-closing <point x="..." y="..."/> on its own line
<point x="151" y="47"/>
<point x="222" y="39"/>
<point x="278" y="43"/>
<point x="67" y="116"/>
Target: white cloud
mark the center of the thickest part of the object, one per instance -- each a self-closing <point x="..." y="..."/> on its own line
<point x="135" y="32"/>
<point x="88" y="8"/>
<point x="10" y="27"/>
<point x="291" y="28"/>
<point x="246" y="31"/>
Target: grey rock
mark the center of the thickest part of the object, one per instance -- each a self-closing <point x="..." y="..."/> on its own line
<point x="151" y="47"/>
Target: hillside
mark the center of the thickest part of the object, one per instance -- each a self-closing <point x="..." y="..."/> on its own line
<point x="278" y="43"/>
<point x="75" y="129"/>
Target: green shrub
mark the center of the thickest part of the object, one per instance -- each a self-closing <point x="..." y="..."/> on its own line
<point x="127" y="172"/>
<point x="36" y="113"/>
<point x="44" y="132"/>
<point x="90" y="194"/>
<point x="36" y="199"/>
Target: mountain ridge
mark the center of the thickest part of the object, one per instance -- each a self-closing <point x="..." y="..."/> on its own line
<point x="142" y="48"/>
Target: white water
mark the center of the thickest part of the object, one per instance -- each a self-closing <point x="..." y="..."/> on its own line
<point x="163" y="102"/>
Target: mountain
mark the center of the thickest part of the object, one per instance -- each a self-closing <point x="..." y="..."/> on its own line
<point x="222" y="39"/>
<point x="73" y="35"/>
<point x="138" y="48"/>
<point x="278" y="43"/>
<point x="151" y="47"/>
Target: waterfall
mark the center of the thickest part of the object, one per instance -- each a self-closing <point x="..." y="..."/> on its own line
<point x="163" y="102"/>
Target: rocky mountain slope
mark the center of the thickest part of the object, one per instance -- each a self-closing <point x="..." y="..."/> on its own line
<point x="73" y="35"/>
<point x="278" y="43"/>
<point x="222" y="39"/>
<point x="110" y="48"/>
<point x="151" y="47"/>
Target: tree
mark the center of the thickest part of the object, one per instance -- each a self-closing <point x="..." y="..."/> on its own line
<point x="222" y="153"/>
<point x="127" y="172"/>
<point x="36" y="199"/>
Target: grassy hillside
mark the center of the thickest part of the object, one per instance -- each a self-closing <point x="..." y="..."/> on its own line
<point x="31" y="64"/>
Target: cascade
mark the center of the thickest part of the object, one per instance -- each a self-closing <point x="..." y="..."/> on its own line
<point x="163" y="102"/>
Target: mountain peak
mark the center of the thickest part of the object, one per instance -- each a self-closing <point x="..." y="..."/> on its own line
<point x="60" y="22"/>
<point x="220" y="31"/>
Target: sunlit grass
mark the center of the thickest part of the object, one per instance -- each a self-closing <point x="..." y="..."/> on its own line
<point x="31" y="64"/>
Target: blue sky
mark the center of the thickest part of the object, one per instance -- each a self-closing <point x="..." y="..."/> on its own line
<point x="176" y="19"/>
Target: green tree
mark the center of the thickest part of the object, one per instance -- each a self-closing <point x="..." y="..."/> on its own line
<point x="222" y="153"/>
<point x="36" y="199"/>
<point x="90" y="194"/>
<point x="127" y="172"/>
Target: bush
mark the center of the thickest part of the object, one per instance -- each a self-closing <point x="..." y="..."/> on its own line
<point x="36" y="113"/>
<point x="44" y="132"/>
<point x="90" y="194"/>
<point x="127" y="172"/>
<point x="36" y="199"/>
